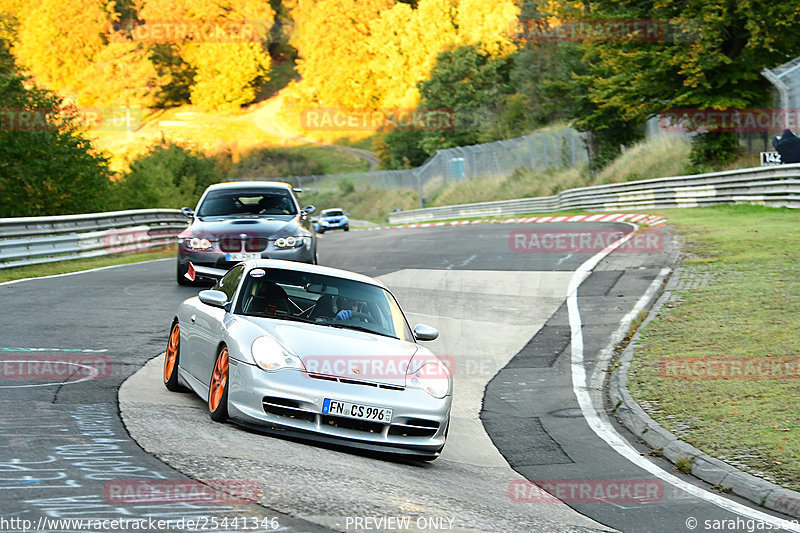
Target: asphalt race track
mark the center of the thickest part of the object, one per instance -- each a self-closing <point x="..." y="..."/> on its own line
<point x="66" y="440"/>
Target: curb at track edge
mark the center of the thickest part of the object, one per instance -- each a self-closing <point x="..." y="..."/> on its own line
<point x="627" y="411"/>
<point x="642" y="219"/>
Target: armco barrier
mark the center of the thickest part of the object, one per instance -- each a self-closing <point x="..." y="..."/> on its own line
<point x="773" y="186"/>
<point x="35" y="240"/>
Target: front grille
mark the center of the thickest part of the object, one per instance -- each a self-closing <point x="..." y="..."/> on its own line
<point x="415" y="427"/>
<point x="351" y="423"/>
<point x="349" y="381"/>
<point x="230" y="244"/>
<point x="251" y="243"/>
<point x="255" y="244"/>
<point x="288" y="408"/>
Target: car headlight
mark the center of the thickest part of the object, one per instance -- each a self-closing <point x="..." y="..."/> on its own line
<point x="431" y="375"/>
<point x="196" y="243"/>
<point x="269" y="355"/>
<point x="289" y="242"/>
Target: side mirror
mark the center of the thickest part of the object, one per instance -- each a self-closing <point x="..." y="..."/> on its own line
<point x="347" y="214"/>
<point x="423" y="332"/>
<point x="309" y="209"/>
<point x="214" y="298"/>
<point x="188" y="213"/>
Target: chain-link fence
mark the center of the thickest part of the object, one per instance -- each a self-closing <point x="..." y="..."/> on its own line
<point x="786" y="79"/>
<point x="541" y="151"/>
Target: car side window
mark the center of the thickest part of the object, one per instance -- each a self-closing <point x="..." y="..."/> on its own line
<point x="230" y="281"/>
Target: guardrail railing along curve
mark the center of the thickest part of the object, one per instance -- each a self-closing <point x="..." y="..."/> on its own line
<point x="36" y="240"/>
<point x="777" y="186"/>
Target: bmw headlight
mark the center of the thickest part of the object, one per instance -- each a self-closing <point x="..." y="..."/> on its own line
<point x="289" y="242"/>
<point x="269" y="355"/>
<point x="430" y="375"/>
<point x="196" y="243"/>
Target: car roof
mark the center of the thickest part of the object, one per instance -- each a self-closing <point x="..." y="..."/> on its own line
<point x="333" y="209"/>
<point x="313" y="269"/>
<point x="249" y="184"/>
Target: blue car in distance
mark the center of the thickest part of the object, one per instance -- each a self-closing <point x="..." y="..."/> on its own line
<point x="330" y="219"/>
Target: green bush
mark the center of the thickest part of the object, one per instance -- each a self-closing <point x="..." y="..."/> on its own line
<point x="265" y="163"/>
<point x="47" y="166"/>
<point x="169" y="176"/>
<point x="713" y="150"/>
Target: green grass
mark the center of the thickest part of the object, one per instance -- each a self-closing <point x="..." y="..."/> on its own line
<point x="749" y="309"/>
<point x="373" y="205"/>
<point x="76" y="265"/>
<point x="524" y="183"/>
<point x="365" y="143"/>
<point x="331" y="159"/>
<point x="656" y="158"/>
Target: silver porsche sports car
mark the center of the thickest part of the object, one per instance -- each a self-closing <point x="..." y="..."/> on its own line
<point x="311" y="351"/>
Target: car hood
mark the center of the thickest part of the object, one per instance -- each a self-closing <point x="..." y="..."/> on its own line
<point x="213" y="229"/>
<point x="343" y="353"/>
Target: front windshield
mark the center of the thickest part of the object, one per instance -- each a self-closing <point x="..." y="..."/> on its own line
<point x="323" y="300"/>
<point x="333" y="213"/>
<point x="247" y="202"/>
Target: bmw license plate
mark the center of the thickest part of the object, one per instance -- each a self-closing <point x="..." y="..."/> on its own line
<point x="356" y="410"/>
<point x="242" y="257"/>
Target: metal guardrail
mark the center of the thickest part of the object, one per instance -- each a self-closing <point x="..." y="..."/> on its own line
<point x="36" y="240"/>
<point x="774" y="186"/>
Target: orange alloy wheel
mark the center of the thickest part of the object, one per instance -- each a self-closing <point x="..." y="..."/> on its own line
<point x="172" y="352"/>
<point x="219" y="378"/>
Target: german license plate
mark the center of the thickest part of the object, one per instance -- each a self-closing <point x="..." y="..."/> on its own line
<point x="356" y="410"/>
<point x="242" y="257"/>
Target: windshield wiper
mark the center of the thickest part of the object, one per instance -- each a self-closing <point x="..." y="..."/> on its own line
<point x="344" y="325"/>
<point x="281" y="317"/>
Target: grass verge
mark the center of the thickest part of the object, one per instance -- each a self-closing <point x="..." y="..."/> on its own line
<point x="373" y="205"/>
<point x="332" y="159"/>
<point x="748" y="309"/>
<point x="76" y="265"/>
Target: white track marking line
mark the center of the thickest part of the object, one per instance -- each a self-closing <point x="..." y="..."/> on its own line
<point x="13" y="281"/>
<point x="603" y="428"/>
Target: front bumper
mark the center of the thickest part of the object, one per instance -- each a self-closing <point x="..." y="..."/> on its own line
<point x="291" y="401"/>
<point x="217" y="259"/>
<point x="333" y="225"/>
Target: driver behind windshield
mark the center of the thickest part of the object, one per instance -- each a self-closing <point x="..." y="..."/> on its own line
<point x="274" y="205"/>
<point x="346" y="308"/>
